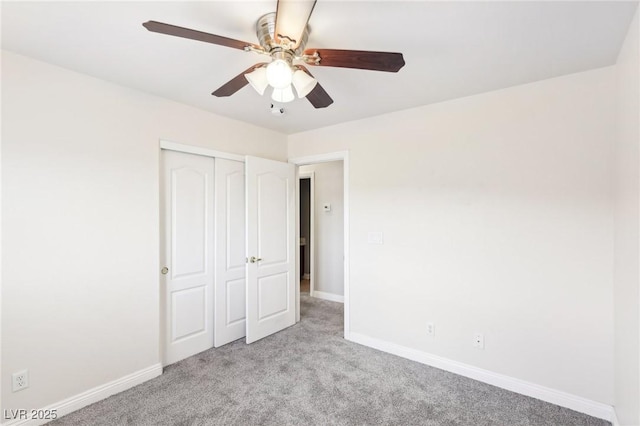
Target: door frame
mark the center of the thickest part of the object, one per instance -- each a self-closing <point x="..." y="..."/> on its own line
<point x="312" y="229"/>
<point x="315" y="159"/>
<point x="205" y="152"/>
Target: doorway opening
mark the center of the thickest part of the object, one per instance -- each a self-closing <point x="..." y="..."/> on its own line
<point x="307" y="238"/>
<point x="322" y="231"/>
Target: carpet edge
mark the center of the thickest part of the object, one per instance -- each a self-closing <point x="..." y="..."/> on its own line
<point x="553" y="396"/>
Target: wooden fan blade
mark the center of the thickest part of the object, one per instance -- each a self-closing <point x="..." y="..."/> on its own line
<point x="292" y="17"/>
<point x="360" y="59"/>
<point x="318" y="97"/>
<point x="236" y="83"/>
<point x="159" y="27"/>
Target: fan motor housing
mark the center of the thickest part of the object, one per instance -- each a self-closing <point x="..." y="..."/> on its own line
<point x="266" y="29"/>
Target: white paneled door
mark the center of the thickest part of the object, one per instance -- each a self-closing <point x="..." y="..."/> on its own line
<point x="270" y="227"/>
<point x="230" y="284"/>
<point x="187" y="262"/>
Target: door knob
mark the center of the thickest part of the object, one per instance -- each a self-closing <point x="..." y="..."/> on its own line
<point x="164" y="270"/>
<point x="255" y="259"/>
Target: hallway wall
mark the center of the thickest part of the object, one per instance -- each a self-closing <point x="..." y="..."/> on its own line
<point x="329" y="227"/>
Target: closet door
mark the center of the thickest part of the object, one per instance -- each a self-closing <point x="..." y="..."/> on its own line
<point x="188" y="254"/>
<point x="230" y="281"/>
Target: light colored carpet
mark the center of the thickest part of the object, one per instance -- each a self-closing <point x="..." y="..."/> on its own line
<point x="309" y="375"/>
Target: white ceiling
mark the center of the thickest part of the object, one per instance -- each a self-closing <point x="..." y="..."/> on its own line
<point x="451" y="49"/>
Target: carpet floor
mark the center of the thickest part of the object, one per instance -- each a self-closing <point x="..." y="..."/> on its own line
<point x="309" y="375"/>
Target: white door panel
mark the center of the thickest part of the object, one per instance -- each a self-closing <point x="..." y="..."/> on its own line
<point x="230" y="248"/>
<point x="272" y="203"/>
<point x="270" y="208"/>
<point x="187" y="221"/>
<point x="236" y="296"/>
<point x="272" y="295"/>
<point x="189" y="308"/>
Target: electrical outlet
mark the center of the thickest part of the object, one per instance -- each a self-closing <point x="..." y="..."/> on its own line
<point x="478" y="340"/>
<point x="20" y="380"/>
<point x="431" y="329"/>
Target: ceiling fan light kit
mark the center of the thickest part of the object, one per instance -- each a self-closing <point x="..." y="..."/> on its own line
<point x="303" y="83"/>
<point x="283" y="95"/>
<point x="279" y="74"/>
<point x="283" y="37"/>
<point x="258" y="79"/>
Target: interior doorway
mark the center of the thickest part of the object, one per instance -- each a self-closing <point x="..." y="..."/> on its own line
<point x="322" y="230"/>
<point x="306" y="197"/>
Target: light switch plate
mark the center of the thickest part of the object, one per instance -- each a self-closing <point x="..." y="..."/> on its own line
<point x="375" y="238"/>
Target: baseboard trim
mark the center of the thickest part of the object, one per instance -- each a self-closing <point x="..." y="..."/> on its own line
<point x="306" y="276"/>
<point x="96" y="394"/>
<point x="563" y="399"/>
<point x="614" y="418"/>
<point x="328" y="296"/>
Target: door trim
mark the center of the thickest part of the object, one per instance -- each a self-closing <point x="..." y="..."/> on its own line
<point x="312" y="231"/>
<point x="324" y="158"/>
<point x="206" y="152"/>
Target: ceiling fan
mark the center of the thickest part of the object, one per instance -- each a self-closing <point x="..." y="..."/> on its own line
<point x="283" y="36"/>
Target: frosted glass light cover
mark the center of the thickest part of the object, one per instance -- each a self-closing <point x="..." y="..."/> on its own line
<point x="279" y="74"/>
<point x="283" y="95"/>
<point x="303" y="83"/>
<point x="258" y="79"/>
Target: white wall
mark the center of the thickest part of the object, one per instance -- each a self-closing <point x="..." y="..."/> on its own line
<point x="80" y="176"/>
<point x="627" y="232"/>
<point x="329" y="226"/>
<point x="497" y="218"/>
